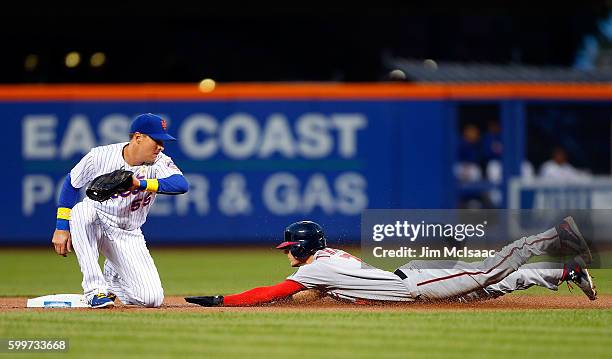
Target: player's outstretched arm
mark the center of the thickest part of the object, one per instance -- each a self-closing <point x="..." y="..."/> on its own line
<point x="251" y="297"/>
<point x="173" y="185"/>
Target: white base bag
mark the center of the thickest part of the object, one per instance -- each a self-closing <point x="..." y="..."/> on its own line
<point x="58" y="301"/>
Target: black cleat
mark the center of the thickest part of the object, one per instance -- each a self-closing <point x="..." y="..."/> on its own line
<point x="576" y="271"/>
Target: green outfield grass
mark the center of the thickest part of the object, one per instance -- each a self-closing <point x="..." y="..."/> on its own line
<point x="529" y="334"/>
<point x="223" y="334"/>
<point x="28" y="272"/>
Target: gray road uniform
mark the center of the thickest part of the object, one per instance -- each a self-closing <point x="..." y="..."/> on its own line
<point x="343" y="276"/>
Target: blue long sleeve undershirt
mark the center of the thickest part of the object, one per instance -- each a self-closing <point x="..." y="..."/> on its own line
<point x="173" y="185"/>
<point x="68" y="198"/>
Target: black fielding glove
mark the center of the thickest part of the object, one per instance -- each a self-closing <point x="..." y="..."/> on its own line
<point x="105" y="186"/>
<point x="206" y="301"/>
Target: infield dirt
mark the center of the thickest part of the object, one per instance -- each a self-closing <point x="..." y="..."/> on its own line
<point x="522" y="302"/>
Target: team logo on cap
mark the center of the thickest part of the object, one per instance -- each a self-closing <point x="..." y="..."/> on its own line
<point x="164" y="124"/>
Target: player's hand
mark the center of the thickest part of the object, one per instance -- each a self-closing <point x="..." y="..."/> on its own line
<point x="206" y="301"/>
<point x="308" y="295"/>
<point x="135" y="183"/>
<point x="62" y="242"/>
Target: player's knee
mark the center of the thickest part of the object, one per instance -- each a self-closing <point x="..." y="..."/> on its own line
<point x="153" y="298"/>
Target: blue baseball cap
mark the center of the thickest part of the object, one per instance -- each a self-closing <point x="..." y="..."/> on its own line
<point x="152" y="126"/>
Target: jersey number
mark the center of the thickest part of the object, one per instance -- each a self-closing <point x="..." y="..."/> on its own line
<point x="141" y="202"/>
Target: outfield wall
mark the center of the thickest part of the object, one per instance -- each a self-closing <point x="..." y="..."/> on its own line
<point x="259" y="156"/>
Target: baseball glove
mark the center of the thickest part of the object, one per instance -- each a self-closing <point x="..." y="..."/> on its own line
<point x="105" y="186"/>
<point x="206" y="301"/>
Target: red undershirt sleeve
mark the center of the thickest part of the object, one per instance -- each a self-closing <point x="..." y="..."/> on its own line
<point x="263" y="294"/>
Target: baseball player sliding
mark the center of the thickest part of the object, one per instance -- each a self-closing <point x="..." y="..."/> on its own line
<point x="338" y="274"/>
<point x="111" y="223"/>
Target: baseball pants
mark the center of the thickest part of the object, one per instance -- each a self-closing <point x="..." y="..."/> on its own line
<point x="546" y="275"/>
<point x="494" y="276"/>
<point x="130" y="272"/>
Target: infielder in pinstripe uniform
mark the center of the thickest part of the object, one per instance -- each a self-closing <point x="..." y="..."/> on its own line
<point x="338" y="274"/>
<point x="113" y="227"/>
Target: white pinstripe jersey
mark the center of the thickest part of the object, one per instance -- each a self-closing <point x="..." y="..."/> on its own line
<point x="344" y="276"/>
<point x="127" y="210"/>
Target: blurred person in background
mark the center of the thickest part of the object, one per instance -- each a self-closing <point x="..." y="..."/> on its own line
<point x="493" y="149"/>
<point x="492" y="141"/>
<point x="558" y="169"/>
<point x="468" y="168"/>
<point x="470" y="156"/>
